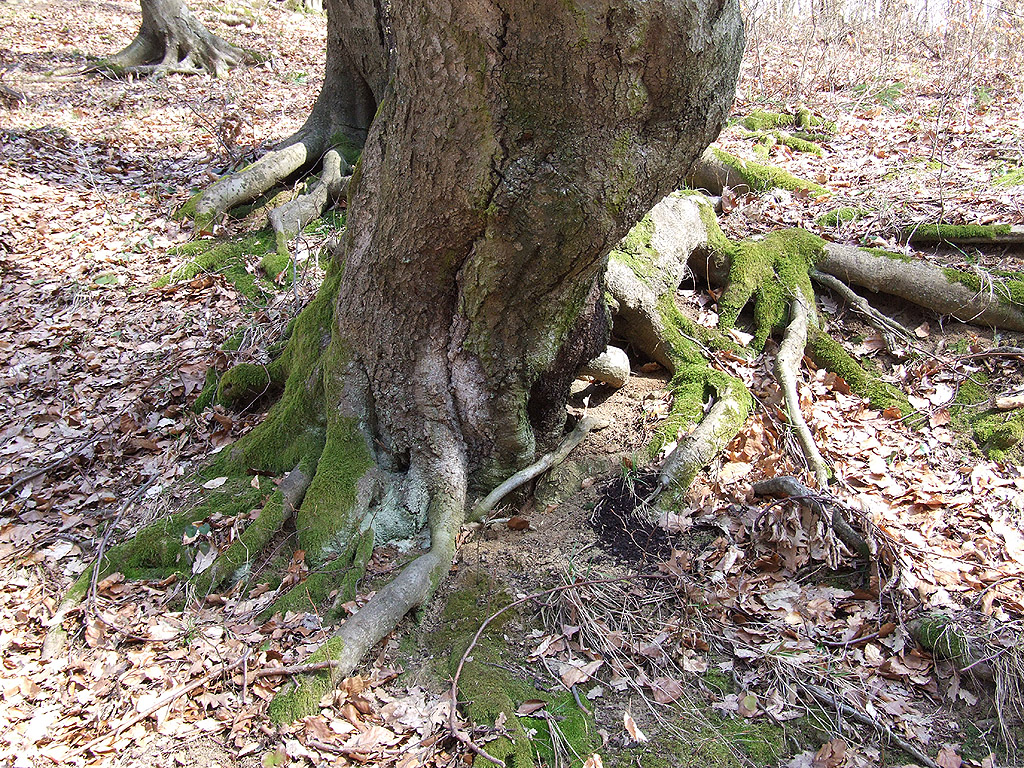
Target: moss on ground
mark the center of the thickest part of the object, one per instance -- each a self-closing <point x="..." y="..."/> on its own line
<point x="244" y="384"/>
<point x="1012" y="178"/>
<point x="762" y="178"/>
<point x="227" y="258"/>
<point x="997" y="433"/>
<point x="488" y="690"/>
<point x="208" y="392"/>
<point x="804" y="119"/>
<point x="710" y="741"/>
<point x="842" y="215"/>
<point x="303" y="698"/>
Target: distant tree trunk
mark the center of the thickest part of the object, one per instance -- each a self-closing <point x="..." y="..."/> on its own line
<point x="173" y="39"/>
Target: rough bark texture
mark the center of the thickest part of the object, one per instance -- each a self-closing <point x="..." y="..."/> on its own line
<point x="516" y="144"/>
<point x="172" y="39"/>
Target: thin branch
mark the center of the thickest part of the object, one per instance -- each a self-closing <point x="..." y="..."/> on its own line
<point x="546" y="462"/>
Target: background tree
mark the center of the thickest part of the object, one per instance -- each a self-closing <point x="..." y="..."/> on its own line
<point x="173" y="39"/>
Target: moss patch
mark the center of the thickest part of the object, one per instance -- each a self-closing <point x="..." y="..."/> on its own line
<point x="771" y="271"/>
<point x="762" y="178"/>
<point x="487" y="690"/>
<point x="953" y="233"/>
<point x="1012" y="178"/>
<point x="711" y="742"/>
<point x="244" y="384"/>
<point x="303" y="698"/>
<point x="1007" y="286"/>
<point x="997" y="433"/>
<point x="842" y="215"/>
<point x="635" y="249"/>
<point x="227" y="258"/>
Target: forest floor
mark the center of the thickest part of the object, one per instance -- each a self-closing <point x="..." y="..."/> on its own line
<point x="99" y="372"/>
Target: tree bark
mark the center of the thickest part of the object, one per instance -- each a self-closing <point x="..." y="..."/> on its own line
<point x="497" y="176"/>
<point x="173" y="39"/>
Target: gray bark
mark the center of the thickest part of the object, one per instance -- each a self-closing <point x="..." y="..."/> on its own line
<point x="172" y="39"/>
<point x="514" y="145"/>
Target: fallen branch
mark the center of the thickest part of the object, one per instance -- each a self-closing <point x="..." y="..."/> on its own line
<point x="787" y="362"/>
<point x="542" y="465"/>
<point x="790" y="487"/>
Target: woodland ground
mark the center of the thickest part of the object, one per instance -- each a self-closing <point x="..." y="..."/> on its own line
<point x="100" y="372"/>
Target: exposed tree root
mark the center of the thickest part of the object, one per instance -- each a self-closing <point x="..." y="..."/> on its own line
<point x="173" y="41"/>
<point x="947" y="292"/>
<point x="289" y="219"/>
<point x="790" y="487"/>
<point x="969" y="234"/>
<point x="539" y="467"/>
<point x="889" y="328"/>
<point x="248" y="184"/>
<point x="787" y="362"/>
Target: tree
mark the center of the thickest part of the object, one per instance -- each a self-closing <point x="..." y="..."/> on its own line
<point x="493" y="157"/>
<point x="172" y="39"/>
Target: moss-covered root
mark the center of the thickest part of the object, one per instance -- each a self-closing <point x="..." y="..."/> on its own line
<point x="772" y="271"/>
<point x="946" y="638"/>
<point x="234" y="562"/>
<point x="829" y="354"/>
<point x="715" y="170"/>
<point x="410" y="589"/>
<point x="964" y="234"/>
<point x="976" y="298"/>
<point x="289" y="219"/>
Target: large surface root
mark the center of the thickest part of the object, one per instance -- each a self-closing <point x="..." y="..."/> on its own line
<point x="289" y="218"/>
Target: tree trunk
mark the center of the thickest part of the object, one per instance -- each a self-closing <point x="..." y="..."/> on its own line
<point x="515" y="145"/>
<point x="172" y="39"/>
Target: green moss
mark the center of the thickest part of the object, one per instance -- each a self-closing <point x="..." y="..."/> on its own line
<point x="771" y="271"/>
<point x="273" y="264"/>
<point x="330" y="585"/>
<point x="953" y="233"/>
<point x="997" y="433"/>
<point x="881" y="253"/>
<point x="830" y="354"/>
<point x="1007" y="286"/>
<point x="208" y="393"/>
<point x="762" y="120"/>
<point x="635" y="249"/>
<point x="842" y="215"/>
<point x="228" y="258"/>
<point x="244" y="384"/>
<point x="762" y="178"/>
<point x="303" y="698"/>
<point x="798" y="144"/>
<point x="711" y="741"/>
<point x="238" y="557"/>
<point x="486" y="688"/>
<point x="1012" y="178"/>
<point x="187" y="212"/>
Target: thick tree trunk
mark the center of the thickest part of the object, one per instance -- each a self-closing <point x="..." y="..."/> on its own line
<point x="515" y="145"/>
<point x="172" y="39"/>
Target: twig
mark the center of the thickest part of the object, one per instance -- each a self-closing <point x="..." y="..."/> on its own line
<point x="296" y="669"/>
<point x="163" y="701"/>
<point x="546" y="462"/>
<point x="825" y="699"/>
